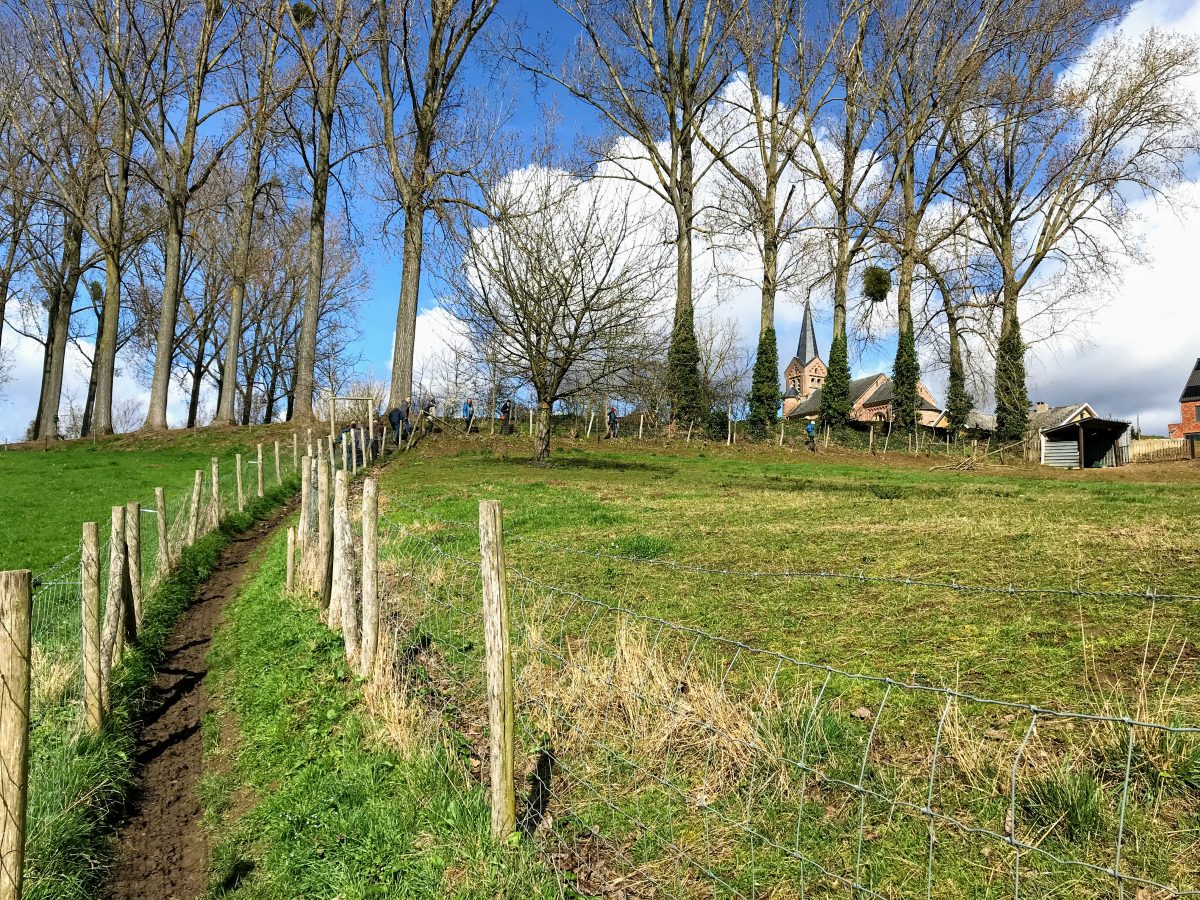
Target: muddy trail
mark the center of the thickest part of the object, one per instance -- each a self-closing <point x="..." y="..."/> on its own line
<point x="162" y="853"/>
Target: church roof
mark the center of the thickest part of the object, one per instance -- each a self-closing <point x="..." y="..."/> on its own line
<point x="806" y="350"/>
<point x="886" y="392"/>
<point x="1191" y="390"/>
<point x="812" y="405"/>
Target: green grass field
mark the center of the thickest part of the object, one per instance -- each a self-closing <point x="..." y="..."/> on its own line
<point x="710" y="768"/>
<point x="48" y="495"/>
<point x="846" y="514"/>
<point x="677" y="763"/>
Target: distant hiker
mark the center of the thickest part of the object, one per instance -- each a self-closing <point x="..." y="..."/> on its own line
<point x="612" y="422"/>
<point x="430" y="410"/>
<point x="811" y="430"/>
<point x="506" y="417"/>
<point x="468" y="412"/>
<point x="395" y="417"/>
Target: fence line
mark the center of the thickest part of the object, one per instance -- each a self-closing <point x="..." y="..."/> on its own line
<point x="68" y="681"/>
<point x="702" y="759"/>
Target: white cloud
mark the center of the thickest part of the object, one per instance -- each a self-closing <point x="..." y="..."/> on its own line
<point x="19" y="396"/>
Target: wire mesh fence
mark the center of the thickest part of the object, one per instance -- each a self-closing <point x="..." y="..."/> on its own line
<point x="661" y="759"/>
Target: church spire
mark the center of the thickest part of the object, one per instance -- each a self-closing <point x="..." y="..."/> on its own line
<point x="806" y="352"/>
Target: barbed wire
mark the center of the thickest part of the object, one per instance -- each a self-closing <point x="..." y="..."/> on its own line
<point x="565" y="640"/>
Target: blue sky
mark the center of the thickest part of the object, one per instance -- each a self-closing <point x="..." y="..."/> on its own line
<point x="1130" y="359"/>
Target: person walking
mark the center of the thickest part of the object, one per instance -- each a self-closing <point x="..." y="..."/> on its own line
<point x="811" y="430"/>
<point x="394" y="418"/>
<point x="506" y="417"/>
<point x="612" y="422"/>
<point x="468" y="412"/>
<point x="430" y="410"/>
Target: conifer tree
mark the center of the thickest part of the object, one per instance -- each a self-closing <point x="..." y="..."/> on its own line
<point x="1012" y="400"/>
<point x="683" y="371"/>
<point x="905" y="374"/>
<point x="835" y="392"/>
<point x="764" y="386"/>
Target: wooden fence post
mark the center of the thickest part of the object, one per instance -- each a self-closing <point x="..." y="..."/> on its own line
<point x="344" y="602"/>
<point x="781" y="431"/>
<point x="690" y="424"/>
<point x="260" y="470"/>
<point x="90" y="582"/>
<point x="163" y="563"/>
<point x="133" y="549"/>
<point x="291" y="559"/>
<point x="295" y="451"/>
<point x="499" y="668"/>
<point x="871" y="440"/>
<point x="531" y="421"/>
<point x="241" y="494"/>
<point x="194" y="512"/>
<point x="370" y="577"/>
<point x="345" y="453"/>
<point x="112" y="638"/>
<point x="16" y="648"/>
<point x="305" y="487"/>
<point x="323" y="559"/>
<point x="278" y="469"/>
<point x="216" y="493"/>
<point x="641" y="425"/>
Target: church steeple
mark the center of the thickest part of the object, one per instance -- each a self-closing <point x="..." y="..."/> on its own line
<point x="806" y="351"/>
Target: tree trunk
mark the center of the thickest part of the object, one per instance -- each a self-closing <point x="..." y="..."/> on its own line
<point x="841" y="276"/>
<point x="164" y="350"/>
<point x="306" y="351"/>
<point x="6" y="273"/>
<point x="237" y="294"/>
<point x="543" y="431"/>
<point x="770" y="261"/>
<point x="62" y="297"/>
<point x="104" y="362"/>
<point x="406" y="314"/>
<point x="197" y="379"/>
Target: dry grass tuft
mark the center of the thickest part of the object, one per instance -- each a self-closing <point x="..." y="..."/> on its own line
<point x="636" y="700"/>
<point x="52" y="678"/>
<point x="400" y="719"/>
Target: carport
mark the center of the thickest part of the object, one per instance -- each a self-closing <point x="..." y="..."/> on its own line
<point x="1087" y="444"/>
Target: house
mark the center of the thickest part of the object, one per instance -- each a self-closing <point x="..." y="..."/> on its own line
<point x="978" y="423"/>
<point x="1189" y="409"/>
<point x="870" y="396"/>
<point x="1074" y="437"/>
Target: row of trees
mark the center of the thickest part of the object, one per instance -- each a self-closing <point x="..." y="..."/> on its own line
<point x="981" y="156"/>
<point x="172" y="167"/>
<point x="168" y="173"/>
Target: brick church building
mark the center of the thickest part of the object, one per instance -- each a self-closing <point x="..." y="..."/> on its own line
<point x="1189" y="409"/>
<point x="870" y="396"/>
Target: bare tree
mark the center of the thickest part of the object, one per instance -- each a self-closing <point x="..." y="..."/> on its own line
<point x="326" y="39"/>
<point x="421" y="47"/>
<point x="651" y="69"/>
<point x="260" y="88"/>
<point x="201" y="35"/>
<point x="1054" y="156"/>
<point x="756" y="136"/>
<point x="562" y="285"/>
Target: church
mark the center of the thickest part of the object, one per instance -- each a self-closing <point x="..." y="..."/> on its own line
<point x="870" y="396"/>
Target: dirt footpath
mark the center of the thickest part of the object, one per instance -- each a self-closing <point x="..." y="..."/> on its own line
<point x="162" y="850"/>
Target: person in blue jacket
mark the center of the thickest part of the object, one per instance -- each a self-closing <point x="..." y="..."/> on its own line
<point x="811" y="430"/>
